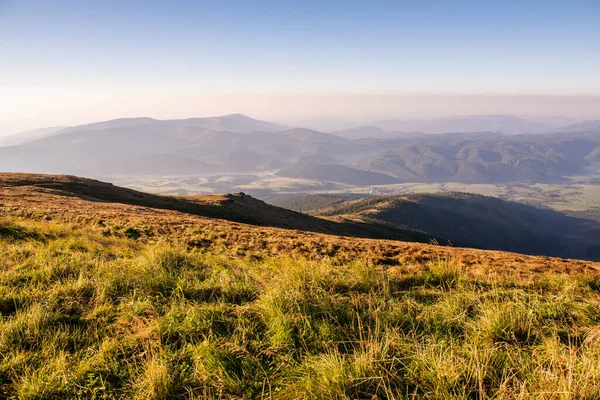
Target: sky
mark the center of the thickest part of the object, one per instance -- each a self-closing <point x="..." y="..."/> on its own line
<point x="70" y="62"/>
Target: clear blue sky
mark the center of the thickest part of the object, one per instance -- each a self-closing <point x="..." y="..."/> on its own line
<point x="77" y="50"/>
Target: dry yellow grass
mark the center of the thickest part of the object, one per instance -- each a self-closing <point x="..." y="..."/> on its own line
<point x="29" y="201"/>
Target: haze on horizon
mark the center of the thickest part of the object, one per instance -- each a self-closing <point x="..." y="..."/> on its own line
<point x="69" y="62"/>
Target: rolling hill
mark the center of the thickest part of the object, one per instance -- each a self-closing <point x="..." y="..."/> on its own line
<point x="128" y="146"/>
<point x="465" y="220"/>
<point x="469" y="220"/>
<point x="60" y="191"/>
<point x="237" y="123"/>
<point x="87" y="149"/>
<point x="85" y="201"/>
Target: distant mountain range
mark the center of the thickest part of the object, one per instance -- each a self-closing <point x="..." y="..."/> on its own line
<point x="24" y="137"/>
<point x="530" y="158"/>
<point x="507" y="124"/>
<point x="585" y="126"/>
<point x="367" y="155"/>
<point x="138" y="146"/>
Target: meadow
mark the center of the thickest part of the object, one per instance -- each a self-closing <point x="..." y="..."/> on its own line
<point x="91" y="313"/>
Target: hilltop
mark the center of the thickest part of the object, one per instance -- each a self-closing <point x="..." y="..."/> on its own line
<point x="242" y="223"/>
<point x="459" y="219"/>
<point x="60" y="193"/>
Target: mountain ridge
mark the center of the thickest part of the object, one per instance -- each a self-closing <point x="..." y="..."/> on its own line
<point x="198" y="146"/>
<point x="236" y="207"/>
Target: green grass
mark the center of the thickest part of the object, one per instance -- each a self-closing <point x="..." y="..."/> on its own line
<point x="85" y="315"/>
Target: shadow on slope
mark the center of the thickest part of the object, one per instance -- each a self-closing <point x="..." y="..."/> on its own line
<point x="237" y="207"/>
<point x="469" y="220"/>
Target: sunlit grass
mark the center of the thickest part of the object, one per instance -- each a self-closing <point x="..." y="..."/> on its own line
<point x="86" y="315"/>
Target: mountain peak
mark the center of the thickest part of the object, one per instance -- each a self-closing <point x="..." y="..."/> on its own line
<point x="237" y="116"/>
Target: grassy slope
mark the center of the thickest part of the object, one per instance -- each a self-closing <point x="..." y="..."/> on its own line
<point x="112" y="218"/>
<point x="90" y="315"/>
<point x="119" y="301"/>
<point x="236" y="207"/>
